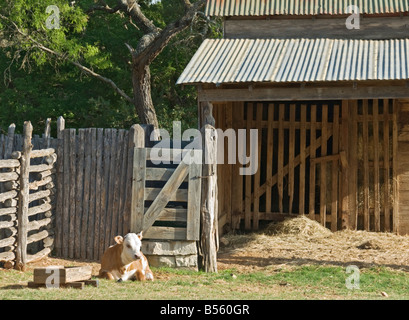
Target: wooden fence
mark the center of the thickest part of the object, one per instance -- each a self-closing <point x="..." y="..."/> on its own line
<point x="8" y="212"/>
<point x="93" y="205"/>
<point x="26" y="200"/>
<point x="96" y="190"/>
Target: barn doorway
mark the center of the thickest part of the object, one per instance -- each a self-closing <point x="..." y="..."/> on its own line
<point x="301" y="158"/>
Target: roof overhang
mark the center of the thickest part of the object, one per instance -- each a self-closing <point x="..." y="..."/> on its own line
<point x="286" y="61"/>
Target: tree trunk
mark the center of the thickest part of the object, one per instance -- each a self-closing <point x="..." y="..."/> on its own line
<point x="141" y="79"/>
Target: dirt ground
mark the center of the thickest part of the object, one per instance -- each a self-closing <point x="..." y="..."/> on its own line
<point x="297" y="242"/>
<point x="301" y="241"/>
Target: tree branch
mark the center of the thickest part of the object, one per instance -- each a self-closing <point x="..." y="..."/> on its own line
<point x="187" y="4"/>
<point x="132" y="8"/>
<point x="75" y="63"/>
<point x="104" y="8"/>
<point x="150" y="47"/>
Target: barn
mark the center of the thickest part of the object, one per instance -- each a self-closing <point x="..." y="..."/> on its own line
<point x="325" y="83"/>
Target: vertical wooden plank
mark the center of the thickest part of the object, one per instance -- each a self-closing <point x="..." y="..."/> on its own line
<point x="98" y="186"/>
<point x="313" y="139"/>
<point x="60" y="186"/>
<point x="47" y="134"/>
<point x="353" y="164"/>
<point x="323" y="172"/>
<point x="106" y="157"/>
<point x="256" y="195"/>
<point x="344" y="147"/>
<point x="111" y="187"/>
<point x="115" y="192"/>
<point x="291" y="154"/>
<point x="248" y="178"/>
<point x="123" y="183"/>
<point x="334" y="173"/>
<point x="194" y="200"/>
<point x="365" y="146"/>
<point x="219" y="114"/>
<point x="86" y="193"/>
<point x="303" y="143"/>
<point x="79" y="195"/>
<point x="237" y="179"/>
<point x="23" y="199"/>
<point x="138" y="190"/>
<point x="92" y="194"/>
<point x="228" y="168"/>
<point x="136" y="140"/>
<point x="2" y="145"/>
<point x="270" y="154"/>
<point x="280" y="160"/>
<point x="66" y="194"/>
<point x="9" y="141"/>
<point x="72" y="188"/>
<point x="395" y="189"/>
<point x="386" y="160"/>
<point x="108" y="180"/>
<point x="376" y="165"/>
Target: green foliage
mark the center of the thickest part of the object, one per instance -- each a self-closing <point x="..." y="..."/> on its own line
<point x="36" y="85"/>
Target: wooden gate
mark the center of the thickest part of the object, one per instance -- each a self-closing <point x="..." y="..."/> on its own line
<point x="298" y="162"/>
<point x="166" y="197"/>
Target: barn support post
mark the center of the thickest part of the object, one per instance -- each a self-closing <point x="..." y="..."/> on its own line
<point x="209" y="241"/>
<point x="23" y="198"/>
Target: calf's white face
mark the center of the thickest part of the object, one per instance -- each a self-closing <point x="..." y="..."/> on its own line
<point x="131" y="249"/>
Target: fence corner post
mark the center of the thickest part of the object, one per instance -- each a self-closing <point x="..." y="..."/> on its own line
<point x="23" y="198"/>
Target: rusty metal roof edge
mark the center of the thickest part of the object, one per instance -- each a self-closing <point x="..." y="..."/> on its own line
<point x="236" y="8"/>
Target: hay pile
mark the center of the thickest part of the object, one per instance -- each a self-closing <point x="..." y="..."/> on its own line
<point x="301" y="225"/>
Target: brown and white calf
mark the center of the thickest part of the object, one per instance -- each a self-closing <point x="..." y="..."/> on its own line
<point x="125" y="261"/>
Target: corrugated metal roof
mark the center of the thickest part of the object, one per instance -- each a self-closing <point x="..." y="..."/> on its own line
<point x="301" y="7"/>
<point x="297" y="60"/>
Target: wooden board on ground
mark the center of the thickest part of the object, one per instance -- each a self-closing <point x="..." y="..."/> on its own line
<point x="65" y="274"/>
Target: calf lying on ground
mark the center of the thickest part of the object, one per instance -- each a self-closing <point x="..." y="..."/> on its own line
<point x="125" y="261"/>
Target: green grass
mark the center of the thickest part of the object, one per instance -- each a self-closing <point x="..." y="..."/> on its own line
<point x="307" y="282"/>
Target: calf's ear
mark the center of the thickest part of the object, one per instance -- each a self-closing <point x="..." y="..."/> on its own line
<point x="140" y="235"/>
<point x="119" y="239"/>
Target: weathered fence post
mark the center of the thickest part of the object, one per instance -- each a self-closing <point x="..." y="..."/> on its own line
<point x="47" y="134"/>
<point x="209" y="208"/>
<point x="60" y="183"/>
<point x="10" y="141"/>
<point x="23" y="199"/>
<point x="137" y="139"/>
